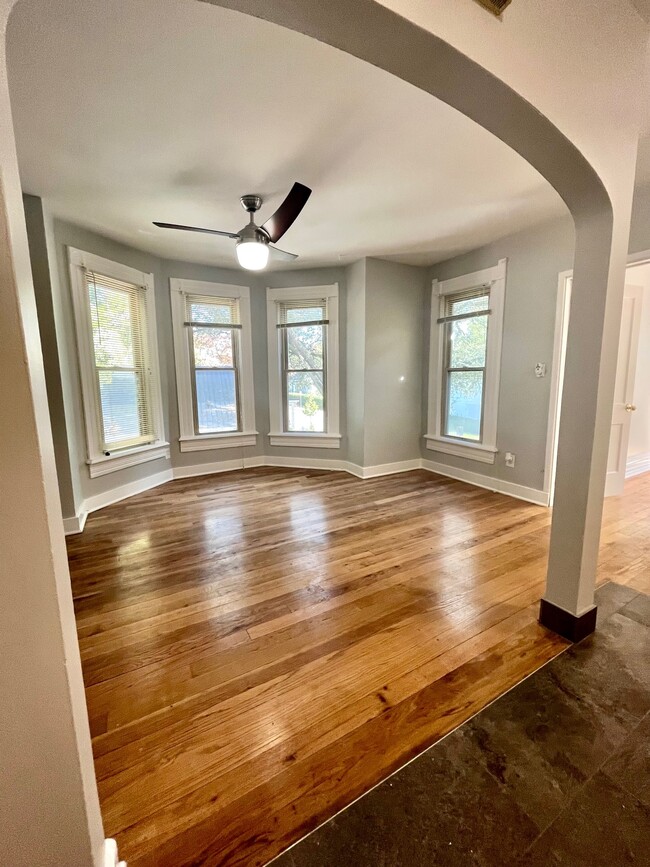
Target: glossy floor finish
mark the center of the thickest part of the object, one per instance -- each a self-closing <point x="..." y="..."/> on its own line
<point x="261" y="647"/>
<point x="556" y="772"/>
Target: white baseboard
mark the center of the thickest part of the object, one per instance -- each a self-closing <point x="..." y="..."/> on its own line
<point x="212" y="467"/>
<point x="637" y="464"/>
<point x="304" y="463"/>
<point x="519" y="492"/>
<point x="75" y="524"/>
<point x="99" y="501"/>
<point x="387" y="469"/>
<point x="111" y="858"/>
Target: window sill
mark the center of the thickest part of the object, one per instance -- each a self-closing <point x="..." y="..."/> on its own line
<point x="306" y="440"/>
<point x="101" y="466"/>
<point x="205" y="442"/>
<point x="473" y="452"/>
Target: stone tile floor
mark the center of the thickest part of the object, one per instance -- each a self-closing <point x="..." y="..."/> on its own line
<point x="556" y="772"/>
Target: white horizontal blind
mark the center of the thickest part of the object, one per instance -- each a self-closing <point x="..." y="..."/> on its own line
<point x="214" y="326"/>
<point x="120" y="354"/>
<point x="302" y="313"/>
<point x="210" y="311"/>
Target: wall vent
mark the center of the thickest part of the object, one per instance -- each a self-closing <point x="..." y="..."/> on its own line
<point x="495" y="6"/>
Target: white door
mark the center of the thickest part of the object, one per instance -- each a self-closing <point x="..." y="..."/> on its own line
<point x="624" y="391"/>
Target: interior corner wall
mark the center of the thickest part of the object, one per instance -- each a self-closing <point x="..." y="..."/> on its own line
<point x="39" y="258"/>
<point x="640" y="224"/>
<point x="535" y="259"/>
<point x="394" y="326"/>
<point x="355" y="373"/>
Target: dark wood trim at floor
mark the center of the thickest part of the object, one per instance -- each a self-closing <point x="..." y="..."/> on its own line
<point x="568" y="625"/>
<point x="261" y="647"/>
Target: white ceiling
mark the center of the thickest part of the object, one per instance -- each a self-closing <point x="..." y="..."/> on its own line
<point x="128" y="111"/>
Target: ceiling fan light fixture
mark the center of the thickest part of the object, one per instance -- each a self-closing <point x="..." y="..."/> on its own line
<point x="252" y="255"/>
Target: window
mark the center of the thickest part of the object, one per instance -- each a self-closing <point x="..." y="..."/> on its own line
<point x="214" y="370"/>
<point x="303" y="327"/>
<point x="114" y="310"/>
<point x="303" y="366"/>
<point x="466" y="325"/>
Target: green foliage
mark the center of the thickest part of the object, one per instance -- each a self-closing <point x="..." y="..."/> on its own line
<point x="311" y="405"/>
<point x="468" y="340"/>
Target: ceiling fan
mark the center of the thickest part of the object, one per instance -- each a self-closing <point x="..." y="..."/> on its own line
<point x="254" y="243"/>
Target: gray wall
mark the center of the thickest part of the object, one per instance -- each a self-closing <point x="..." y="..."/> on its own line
<point x="355" y="373"/>
<point x="640" y="227"/>
<point x="394" y="326"/>
<point x="38" y="254"/>
<point x="535" y="258"/>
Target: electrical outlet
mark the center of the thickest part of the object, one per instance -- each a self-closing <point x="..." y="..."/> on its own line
<point x="540" y="369"/>
<point x="510" y="459"/>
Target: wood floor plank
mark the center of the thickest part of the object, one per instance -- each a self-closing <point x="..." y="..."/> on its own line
<point x="260" y="647"/>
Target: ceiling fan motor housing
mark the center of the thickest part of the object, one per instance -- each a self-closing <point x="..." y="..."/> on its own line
<point x="251" y="232"/>
<point x="251" y="203"/>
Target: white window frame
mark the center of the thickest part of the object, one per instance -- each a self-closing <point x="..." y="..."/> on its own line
<point x="189" y="440"/>
<point x="331" y="438"/>
<point x="99" y="462"/>
<point x="484" y="452"/>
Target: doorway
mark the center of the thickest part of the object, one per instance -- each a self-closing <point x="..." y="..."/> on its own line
<point x="629" y="445"/>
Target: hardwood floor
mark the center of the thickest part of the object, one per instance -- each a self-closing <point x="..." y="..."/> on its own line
<point x="261" y="647"/>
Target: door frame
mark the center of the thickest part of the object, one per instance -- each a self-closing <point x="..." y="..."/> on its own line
<point x="562" y="313"/>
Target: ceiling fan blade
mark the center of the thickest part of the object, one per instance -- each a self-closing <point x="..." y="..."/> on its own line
<point x="195" y="229"/>
<point x="281" y="255"/>
<point x="277" y="225"/>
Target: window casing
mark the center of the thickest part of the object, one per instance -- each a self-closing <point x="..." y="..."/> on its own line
<point x="303" y="366"/>
<point x="114" y="308"/>
<point x="465" y="360"/>
<point x="214" y="369"/>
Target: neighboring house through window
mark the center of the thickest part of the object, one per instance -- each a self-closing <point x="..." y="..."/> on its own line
<point x="465" y="361"/>
<point x="304" y="366"/>
<point x="114" y="308"/>
<point x="214" y="367"/>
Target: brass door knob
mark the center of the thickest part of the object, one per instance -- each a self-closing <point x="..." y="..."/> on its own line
<point x="630" y="407"/>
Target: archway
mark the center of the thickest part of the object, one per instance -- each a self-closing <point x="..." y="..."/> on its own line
<point x="378" y="36"/>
